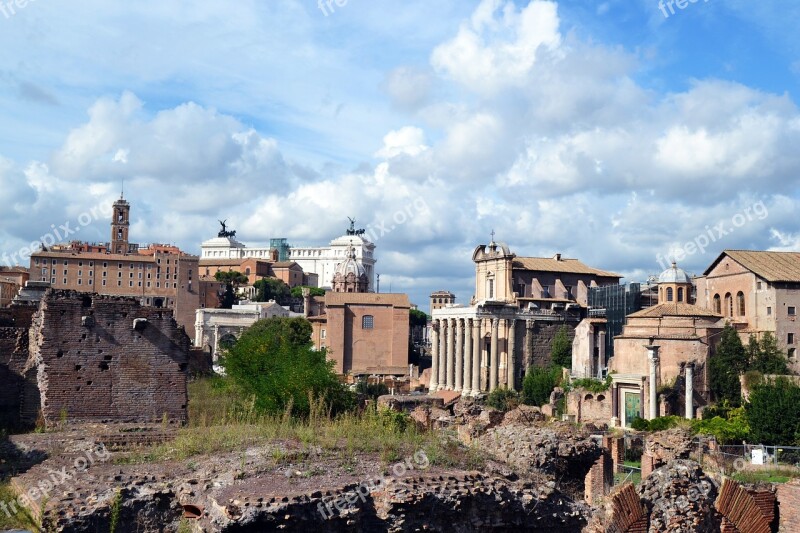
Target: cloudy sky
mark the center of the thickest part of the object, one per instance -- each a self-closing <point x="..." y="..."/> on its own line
<point x="612" y="131"/>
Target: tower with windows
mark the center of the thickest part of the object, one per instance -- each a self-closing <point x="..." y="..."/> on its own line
<point x="120" y="225"/>
<point x="675" y="285"/>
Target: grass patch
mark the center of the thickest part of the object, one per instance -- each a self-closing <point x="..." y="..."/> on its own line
<point x="17" y="517"/>
<point x="766" y="475"/>
<point x="222" y="420"/>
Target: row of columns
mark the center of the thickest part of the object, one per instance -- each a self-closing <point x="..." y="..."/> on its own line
<point x="653" y="359"/>
<point x="458" y="354"/>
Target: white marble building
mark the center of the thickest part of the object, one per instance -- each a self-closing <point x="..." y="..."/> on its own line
<point x="320" y="260"/>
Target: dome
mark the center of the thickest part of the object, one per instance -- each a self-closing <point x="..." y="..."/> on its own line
<point x="674" y="275"/>
<point x="350" y="266"/>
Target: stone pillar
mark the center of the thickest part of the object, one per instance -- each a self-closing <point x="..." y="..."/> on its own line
<point x="512" y="354"/>
<point x="216" y="342"/>
<point x="451" y="333"/>
<point x="459" y="354"/>
<point x="467" y="374"/>
<point x="652" y="356"/>
<point x="689" y="386"/>
<point x="601" y="357"/>
<point x="434" y="384"/>
<point x="442" y="353"/>
<point x="494" y="359"/>
<point x="477" y="351"/>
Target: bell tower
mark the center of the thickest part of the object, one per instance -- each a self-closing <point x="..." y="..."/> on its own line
<point x="120" y="224"/>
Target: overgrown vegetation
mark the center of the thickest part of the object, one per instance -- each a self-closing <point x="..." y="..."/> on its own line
<point x="765" y="356"/>
<point x="503" y="399"/>
<point x="561" y="349"/>
<point x="223" y="419"/>
<point x="297" y="292"/>
<point x="371" y="390"/>
<point x="591" y="385"/>
<point x="17" y="517"/>
<point x="274" y="362"/>
<point x="539" y="383"/>
<point x="731" y="428"/>
<point x="272" y="289"/>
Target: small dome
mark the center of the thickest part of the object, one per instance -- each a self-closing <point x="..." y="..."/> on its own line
<point x="674" y="275"/>
<point x="350" y="266"/>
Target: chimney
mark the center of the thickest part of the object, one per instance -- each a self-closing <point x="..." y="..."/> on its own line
<point x="557" y="257"/>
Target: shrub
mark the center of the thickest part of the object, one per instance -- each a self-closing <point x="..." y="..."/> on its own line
<point x="591" y="385"/>
<point x="561" y="350"/>
<point x="657" y="424"/>
<point x="275" y="362"/>
<point x="503" y="399"/>
<point x="539" y="382"/>
<point x="372" y="390"/>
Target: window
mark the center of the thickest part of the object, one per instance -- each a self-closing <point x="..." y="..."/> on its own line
<point x="740" y="303"/>
<point x="680" y="294"/>
<point x="670" y="294"/>
<point x="79" y="282"/>
<point x="769" y="311"/>
<point x="728" y="305"/>
<point x="367" y="322"/>
<point x="104" y="283"/>
<point x="323" y="333"/>
<point x="792" y="352"/>
<point x="717" y="304"/>
<point x="792" y="311"/>
<point x="790" y="338"/>
<point x="491" y="288"/>
<point x="758" y="285"/>
<point x="105" y="265"/>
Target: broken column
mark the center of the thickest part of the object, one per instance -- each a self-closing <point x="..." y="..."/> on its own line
<point x="652" y="356"/>
<point x="689" y="386"/>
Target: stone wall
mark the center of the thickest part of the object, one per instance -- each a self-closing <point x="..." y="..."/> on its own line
<point x="600" y="479"/>
<point x="539" y="340"/>
<point x="104" y="358"/>
<point x="14" y="324"/>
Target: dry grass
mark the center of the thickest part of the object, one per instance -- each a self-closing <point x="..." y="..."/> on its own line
<point x="221" y="420"/>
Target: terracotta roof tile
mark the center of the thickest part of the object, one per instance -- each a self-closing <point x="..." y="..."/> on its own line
<point x="563" y="265"/>
<point x="674" y="309"/>
<point x="771" y="266"/>
<point x="366" y="298"/>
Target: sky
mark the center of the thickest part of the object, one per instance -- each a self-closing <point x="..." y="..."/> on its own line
<point x="623" y="133"/>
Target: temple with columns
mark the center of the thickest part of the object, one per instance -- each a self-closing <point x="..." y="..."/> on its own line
<point x="518" y="306"/>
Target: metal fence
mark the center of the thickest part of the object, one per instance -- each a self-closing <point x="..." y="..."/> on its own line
<point x="758" y="454"/>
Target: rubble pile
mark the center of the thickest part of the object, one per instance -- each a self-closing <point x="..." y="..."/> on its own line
<point x="680" y="497"/>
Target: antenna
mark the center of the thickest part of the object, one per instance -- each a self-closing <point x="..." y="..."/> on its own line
<point x="122" y="192"/>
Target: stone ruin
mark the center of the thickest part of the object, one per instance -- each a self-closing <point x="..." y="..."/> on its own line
<point x="82" y="357"/>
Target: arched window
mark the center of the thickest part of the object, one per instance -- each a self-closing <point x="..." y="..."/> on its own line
<point x="728" y="305"/>
<point x="670" y="294"/>
<point x="367" y="322"/>
<point x="740" y="303"/>
<point x="717" y="304"/>
<point x="680" y="294"/>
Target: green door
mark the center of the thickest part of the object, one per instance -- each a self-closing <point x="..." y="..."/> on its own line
<point x="633" y="404"/>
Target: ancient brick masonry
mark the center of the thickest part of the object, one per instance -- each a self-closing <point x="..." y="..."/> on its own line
<point x="103" y="358"/>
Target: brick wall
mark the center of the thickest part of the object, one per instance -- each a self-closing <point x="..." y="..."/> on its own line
<point x="648" y="465"/>
<point x="14" y="324"/>
<point x="600" y="478"/>
<point x="539" y="341"/>
<point x="94" y="365"/>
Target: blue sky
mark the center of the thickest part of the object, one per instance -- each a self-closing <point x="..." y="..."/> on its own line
<point x="602" y="130"/>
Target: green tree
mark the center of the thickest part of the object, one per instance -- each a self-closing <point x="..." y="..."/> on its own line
<point x="297" y="292"/>
<point x="232" y="280"/>
<point x="539" y="382"/>
<point x="272" y="289"/>
<point x="725" y="366"/>
<point x="417" y="318"/>
<point x="275" y="361"/>
<point x="561" y="350"/>
<point x="765" y="356"/>
<point x="772" y="412"/>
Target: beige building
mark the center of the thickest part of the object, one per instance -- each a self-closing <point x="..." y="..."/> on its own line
<point x="157" y="276"/>
<point x="518" y="305"/>
<point x="11" y="280"/>
<point x="660" y="359"/>
<point x="757" y="292"/>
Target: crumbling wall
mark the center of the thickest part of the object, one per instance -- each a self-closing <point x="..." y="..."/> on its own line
<point x="14" y="324"/>
<point x="101" y="358"/>
<point x="539" y="340"/>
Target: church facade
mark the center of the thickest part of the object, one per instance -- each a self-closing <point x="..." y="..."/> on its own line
<point x="518" y="306"/>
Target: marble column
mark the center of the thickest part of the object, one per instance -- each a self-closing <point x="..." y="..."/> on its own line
<point x="512" y="354"/>
<point x="467" y="374"/>
<point x="494" y="359"/>
<point x="434" y="383"/>
<point x="459" y="381"/>
<point x="689" y="386"/>
<point x="442" y="353"/>
<point x="477" y="351"/>
<point x="601" y="356"/>
<point x="652" y="356"/>
<point x="451" y="351"/>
